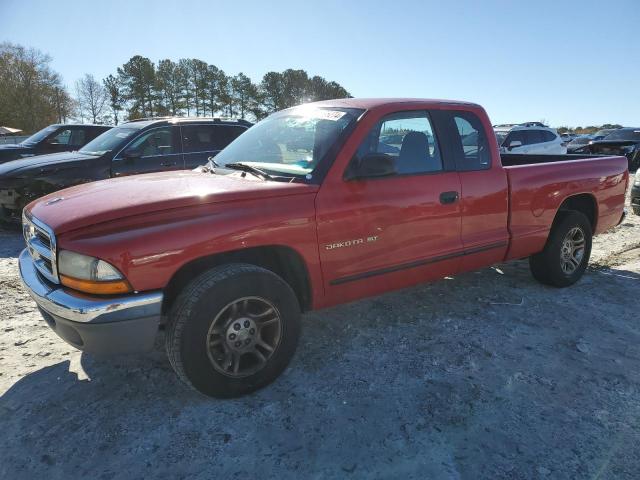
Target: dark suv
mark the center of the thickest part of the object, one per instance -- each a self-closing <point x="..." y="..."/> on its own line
<point x="52" y="139"/>
<point x="140" y="146"/>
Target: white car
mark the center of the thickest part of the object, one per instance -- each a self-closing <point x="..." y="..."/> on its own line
<point x="531" y="138"/>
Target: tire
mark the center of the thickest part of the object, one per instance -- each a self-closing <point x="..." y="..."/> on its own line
<point x="204" y="317"/>
<point x="636" y="210"/>
<point x="547" y="266"/>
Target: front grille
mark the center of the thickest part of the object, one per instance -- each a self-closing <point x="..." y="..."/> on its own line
<point x="41" y="243"/>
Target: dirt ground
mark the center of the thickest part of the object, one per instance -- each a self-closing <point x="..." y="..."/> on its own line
<point x="487" y="375"/>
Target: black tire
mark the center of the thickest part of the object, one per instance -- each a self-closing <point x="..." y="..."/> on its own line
<point x="546" y="266"/>
<point x="636" y="210"/>
<point x="205" y="299"/>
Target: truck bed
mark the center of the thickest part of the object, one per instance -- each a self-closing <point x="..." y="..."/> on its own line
<point x="539" y="184"/>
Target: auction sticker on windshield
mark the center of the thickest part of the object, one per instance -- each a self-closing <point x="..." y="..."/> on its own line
<point x="333" y="115"/>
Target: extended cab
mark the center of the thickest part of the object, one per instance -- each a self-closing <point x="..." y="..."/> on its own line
<point x="318" y="205"/>
<point x="139" y="146"/>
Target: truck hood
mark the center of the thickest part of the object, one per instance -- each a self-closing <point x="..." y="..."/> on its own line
<point x="30" y="164"/>
<point x="13" y="151"/>
<point x="11" y="146"/>
<point x="115" y="199"/>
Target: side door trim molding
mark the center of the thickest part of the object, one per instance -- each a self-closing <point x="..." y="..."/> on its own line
<point x="417" y="263"/>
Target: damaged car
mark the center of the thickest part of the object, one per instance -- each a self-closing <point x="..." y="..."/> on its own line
<point x="623" y="141"/>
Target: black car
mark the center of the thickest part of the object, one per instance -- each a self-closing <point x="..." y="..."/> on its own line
<point x="635" y="195"/>
<point x="52" y="139"/>
<point x="141" y="146"/>
<point x="600" y="134"/>
<point x="578" y="143"/>
<point x="623" y="141"/>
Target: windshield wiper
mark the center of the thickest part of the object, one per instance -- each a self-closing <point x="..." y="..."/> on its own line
<point x="249" y="169"/>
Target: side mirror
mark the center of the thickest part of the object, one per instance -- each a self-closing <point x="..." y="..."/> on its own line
<point x="372" y="165"/>
<point x="131" y="154"/>
<point x="514" y="144"/>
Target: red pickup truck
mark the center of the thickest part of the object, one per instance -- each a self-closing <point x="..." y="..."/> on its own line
<point x="314" y="206"/>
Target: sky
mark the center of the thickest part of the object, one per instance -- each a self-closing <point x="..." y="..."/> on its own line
<point x="572" y="63"/>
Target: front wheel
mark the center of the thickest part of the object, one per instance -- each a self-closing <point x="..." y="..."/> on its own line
<point x="233" y="330"/>
<point x="566" y="254"/>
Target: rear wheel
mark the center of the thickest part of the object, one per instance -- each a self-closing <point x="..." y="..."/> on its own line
<point x="566" y="254"/>
<point x="233" y="330"/>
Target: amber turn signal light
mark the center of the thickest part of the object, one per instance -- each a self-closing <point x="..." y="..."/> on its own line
<point x="98" y="288"/>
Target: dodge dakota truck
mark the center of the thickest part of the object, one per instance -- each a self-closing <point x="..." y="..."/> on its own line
<point x="314" y="206"/>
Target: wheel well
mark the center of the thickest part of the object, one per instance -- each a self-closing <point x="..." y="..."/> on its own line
<point x="283" y="261"/>
<point x="583" y="203"/>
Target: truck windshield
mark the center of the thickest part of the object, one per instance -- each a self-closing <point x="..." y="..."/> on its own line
<point x="39" y="136"/>
<point x="109" y="140"/>
<point x="291" y="142"/>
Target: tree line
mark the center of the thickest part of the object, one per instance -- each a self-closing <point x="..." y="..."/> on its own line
<point x="192" y="87"/>
<point x="589" y="129"/>
<point x="34" y="96"/>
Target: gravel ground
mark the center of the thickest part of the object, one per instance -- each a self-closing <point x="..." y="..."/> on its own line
<point x="487" y="375"/>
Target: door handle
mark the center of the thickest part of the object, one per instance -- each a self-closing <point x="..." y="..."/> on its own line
<point x="448" y="197"/>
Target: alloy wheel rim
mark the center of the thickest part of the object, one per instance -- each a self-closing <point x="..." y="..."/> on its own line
<point x="572" y="250"/>
<point x="243" y="336"/>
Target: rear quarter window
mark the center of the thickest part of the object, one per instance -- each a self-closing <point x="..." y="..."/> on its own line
<point x="471" y="145"/>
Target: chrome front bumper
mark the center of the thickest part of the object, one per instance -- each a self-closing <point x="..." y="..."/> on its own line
<point x="103" y="325"/>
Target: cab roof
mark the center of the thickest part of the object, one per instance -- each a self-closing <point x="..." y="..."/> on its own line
<point x="144" y="122"/>
<point x="372" y="103"/>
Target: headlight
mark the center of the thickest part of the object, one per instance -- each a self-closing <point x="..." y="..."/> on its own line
<point x="90" y="274"/>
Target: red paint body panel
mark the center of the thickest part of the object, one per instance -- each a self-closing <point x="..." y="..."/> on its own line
<point x="537" y="191"/>
<point x="149" y="250"/>
<point x="149" y="226"/>
<point x="114" y="199"/>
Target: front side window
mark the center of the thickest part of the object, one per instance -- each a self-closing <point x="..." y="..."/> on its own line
<point x="473" y="148"/>
<point x="409" y="139"/>
<point x="155" y="142"/>
<point x="516" y="136"/>
<point x="500" y="137"/>
<point x="61" y="138"/>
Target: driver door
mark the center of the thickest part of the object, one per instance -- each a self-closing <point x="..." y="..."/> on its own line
<point x="154" y="150"/>
<point x="393" y="231"/>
